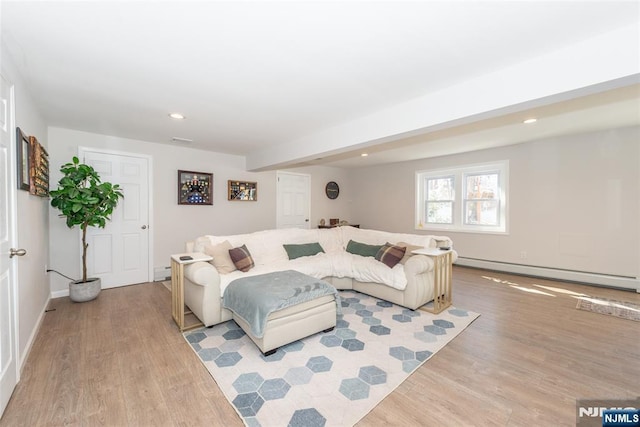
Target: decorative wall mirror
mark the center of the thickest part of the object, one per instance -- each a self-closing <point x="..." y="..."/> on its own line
<point x="242" y="190"/>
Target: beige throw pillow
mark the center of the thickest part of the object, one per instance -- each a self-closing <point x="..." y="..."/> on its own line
<point x="407" y="253"/>
<point x="221" y="258"/>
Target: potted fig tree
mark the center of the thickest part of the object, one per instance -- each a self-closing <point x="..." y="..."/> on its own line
<point x="84" y="200"/>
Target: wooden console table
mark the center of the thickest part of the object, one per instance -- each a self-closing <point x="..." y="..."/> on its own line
<point x="177" y="287"/>
<point x="442" y="277"/>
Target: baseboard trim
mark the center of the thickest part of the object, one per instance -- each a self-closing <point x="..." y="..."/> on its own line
<point x="618" y="282"/>
<point x="60" y="294"/>
<point x="34" y="333"/>
<point x="161" y="273"/>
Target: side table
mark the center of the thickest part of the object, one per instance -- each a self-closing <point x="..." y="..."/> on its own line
<point x="442" y="277"/>
<point x="177" y="286"/>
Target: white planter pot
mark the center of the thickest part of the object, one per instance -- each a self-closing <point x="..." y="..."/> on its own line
<point x="84" y="291"/>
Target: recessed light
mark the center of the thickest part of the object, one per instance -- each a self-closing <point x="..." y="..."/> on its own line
<point x="177" y="116"/>
<point x="364" y="155"/>
<point x="528" y="121"/>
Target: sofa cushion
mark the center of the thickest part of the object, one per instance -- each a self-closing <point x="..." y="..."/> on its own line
<point x="362" y="249"/>
<point x="241" y="258"/>
<point x="377" y="237"/>
<point x="390" y="254"/>
<point x="319" y="266"/>
<point x="409" y="248"/>
<point x="221" y="259"/>
<point x="366" y="269"/>
<point x="302" y="250"/>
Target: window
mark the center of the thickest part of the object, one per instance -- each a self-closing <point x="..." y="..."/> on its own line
<point x="439" y="200"/>
<point x="468" y="198"/>
<point x="482" y="203"/>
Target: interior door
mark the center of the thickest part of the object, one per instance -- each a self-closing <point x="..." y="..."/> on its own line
<point x="8" y="298"/>
<point x="119" y="254"/>
<point x="293" y="195"/>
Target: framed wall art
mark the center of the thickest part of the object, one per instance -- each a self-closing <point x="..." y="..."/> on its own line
<point x="242" y="191"/>
<point x="38" y="168"/>
<point x="195" y="188"/>
<point x="23" y="160"/>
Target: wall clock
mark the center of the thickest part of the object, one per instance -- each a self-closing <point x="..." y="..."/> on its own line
<point x="332" y="190"/>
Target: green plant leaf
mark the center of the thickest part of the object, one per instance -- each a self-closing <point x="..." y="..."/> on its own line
<point x="83" y="199"/>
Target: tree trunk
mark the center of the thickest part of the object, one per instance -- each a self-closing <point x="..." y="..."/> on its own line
<point x="84" y="252"/>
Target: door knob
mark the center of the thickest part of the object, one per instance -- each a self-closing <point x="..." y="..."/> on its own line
<point x="144" y="227"/>
<point x="17" y="252"/>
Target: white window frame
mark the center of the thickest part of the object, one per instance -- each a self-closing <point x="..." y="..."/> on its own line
<point x="459" y="173"/>
<point x="452" y="201"/>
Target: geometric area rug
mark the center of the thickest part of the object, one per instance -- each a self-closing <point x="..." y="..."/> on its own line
<point x="327" y="379"/>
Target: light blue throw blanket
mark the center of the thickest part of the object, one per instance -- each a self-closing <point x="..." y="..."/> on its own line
<point x="255" y="298"/>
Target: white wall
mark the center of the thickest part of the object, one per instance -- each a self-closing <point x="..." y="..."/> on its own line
<point x="32" y="222"/>
<point x="174" y="224"/>
<point x="321" y="206"/>
<point x="573" y="202"/>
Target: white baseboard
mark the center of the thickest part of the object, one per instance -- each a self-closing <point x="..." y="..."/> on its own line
<point x="612" y="281"/>
<point x="161" y="273"/>
<point x="65" y="292"/>
<point x="32" y="337"/>
<point x="60" y="294"/>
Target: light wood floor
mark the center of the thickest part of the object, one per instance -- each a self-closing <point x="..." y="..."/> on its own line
<point x="120" y="361"/>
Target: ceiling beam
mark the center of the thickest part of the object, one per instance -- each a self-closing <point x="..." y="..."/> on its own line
<point x="601" y="63"/>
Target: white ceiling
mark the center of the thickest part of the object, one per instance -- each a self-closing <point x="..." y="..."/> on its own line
<point x="254" y="75"/>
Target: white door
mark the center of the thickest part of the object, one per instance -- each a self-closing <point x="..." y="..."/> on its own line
<point x="293" y="195"/>
<point x="8" y="297"/>
<point x="119" y="254"/>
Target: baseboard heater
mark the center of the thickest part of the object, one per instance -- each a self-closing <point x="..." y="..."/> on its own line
<point x="611" y="281"/>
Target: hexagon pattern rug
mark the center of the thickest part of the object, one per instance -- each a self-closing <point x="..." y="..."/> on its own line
<point x="327" y="379"/>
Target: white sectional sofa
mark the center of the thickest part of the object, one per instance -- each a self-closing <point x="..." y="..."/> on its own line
<point x="409" y="283"/>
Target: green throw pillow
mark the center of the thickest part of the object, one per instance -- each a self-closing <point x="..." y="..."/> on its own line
<point x="306" y="249"/>
<point x="362" y="249"/>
